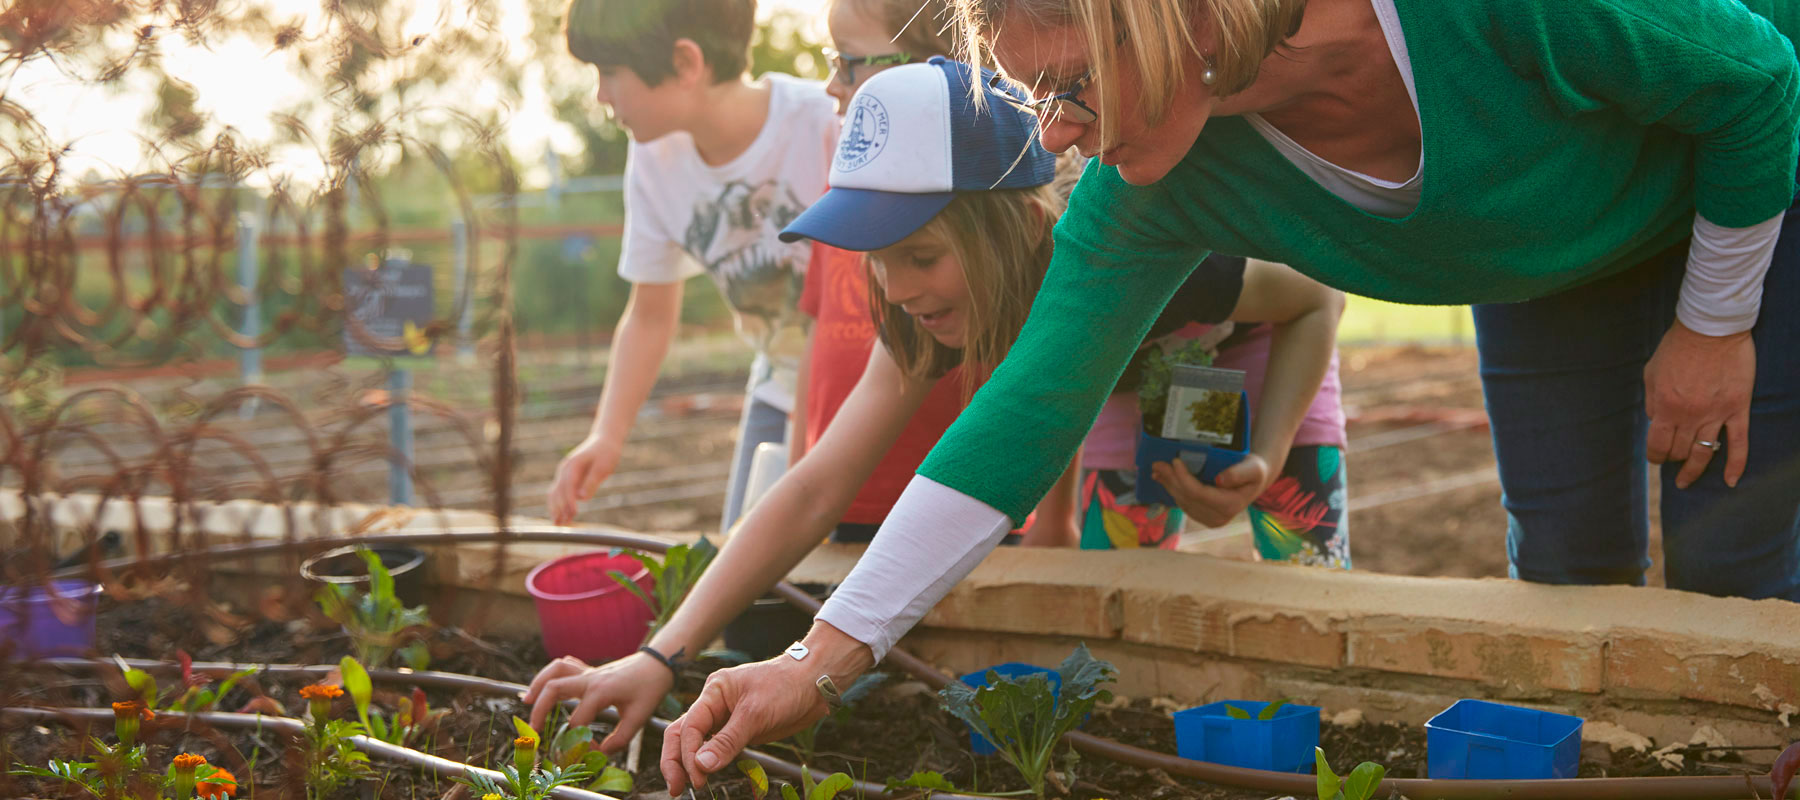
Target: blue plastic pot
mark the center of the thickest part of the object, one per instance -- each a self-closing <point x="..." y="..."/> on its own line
<point x="1011" y="669"/>
<point x="1482" y="740"/>
<point x="1205" y="461"/>
<point x="1282" y="744"/>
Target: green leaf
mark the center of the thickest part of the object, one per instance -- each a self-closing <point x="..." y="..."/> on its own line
<point x="618" y="781"/>
<point x="862" y="686"/>
<point x="924" y="780"/>
<point x="569" y="736"/>
<point x="1269" y="711"/>
<point x="1236" y="713"/>
<point x="1328" y="780"/>
<point x="759" y="780"/>
<point x="416" y="655"/>
<point x="829" y="788"/>
<point x="381" y="582"/>
<point x="1363" y="781"/>
<point x="378" y="728"/>
<point x="788" y="792"/>
<point x="356" y="682"/>
<point x="524" y="729"/>
<point x="631" y="586"/>
<point x="145" y="686"/>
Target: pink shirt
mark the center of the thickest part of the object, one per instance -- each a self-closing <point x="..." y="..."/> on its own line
<point x="1112" y="443"/>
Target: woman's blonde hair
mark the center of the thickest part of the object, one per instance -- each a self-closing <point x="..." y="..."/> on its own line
<point x="1002" y="239"/>
<point x="920" y="28"/>
<point x="1160" y="34"/>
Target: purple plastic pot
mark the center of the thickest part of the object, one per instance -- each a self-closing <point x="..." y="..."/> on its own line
<point x="48" y="621"/>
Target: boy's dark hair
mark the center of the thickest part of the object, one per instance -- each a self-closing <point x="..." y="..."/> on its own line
<point x="641" y="34"/>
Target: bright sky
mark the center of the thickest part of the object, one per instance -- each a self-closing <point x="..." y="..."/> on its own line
<point x="239" y="84"/>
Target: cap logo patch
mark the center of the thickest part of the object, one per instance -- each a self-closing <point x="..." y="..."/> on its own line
<point x="865" y="134"/>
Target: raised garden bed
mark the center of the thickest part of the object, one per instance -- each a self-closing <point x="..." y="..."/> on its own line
<point x="893" y="733"/>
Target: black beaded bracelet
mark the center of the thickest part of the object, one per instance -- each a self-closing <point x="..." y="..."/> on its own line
<point x="667" y="661"/>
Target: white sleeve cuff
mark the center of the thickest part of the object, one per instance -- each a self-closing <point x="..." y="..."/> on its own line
<point x="933" y="537"/>
<point x="1722" y="291"/>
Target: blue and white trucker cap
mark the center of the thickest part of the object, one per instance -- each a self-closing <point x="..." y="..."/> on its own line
<point x="912" y="139"/>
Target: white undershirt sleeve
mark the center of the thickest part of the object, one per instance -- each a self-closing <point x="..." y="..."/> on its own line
<point x="933" y="537"/>
<point x="1722" y="291"/>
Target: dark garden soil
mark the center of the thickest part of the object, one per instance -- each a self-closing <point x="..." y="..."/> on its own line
<point x="896" y="731"/>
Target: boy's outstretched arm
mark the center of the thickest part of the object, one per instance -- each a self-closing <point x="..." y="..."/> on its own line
<point x="640" y="342"/>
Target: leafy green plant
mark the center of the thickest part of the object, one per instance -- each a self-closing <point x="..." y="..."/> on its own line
<point x="1025" y="718"/>
<point x="377" y="621"/>
<point x="523" y="779"/>
<point x="121" y="771"/>
<point x="1360" y="784"/>
<point x="573" y="746"/>
<point x="826" y="789"/>
<point x="1156" y="366"/>
<point x="675" y="574"/>
<point x="1267" y="713"/>
<point x="332" y="762"/>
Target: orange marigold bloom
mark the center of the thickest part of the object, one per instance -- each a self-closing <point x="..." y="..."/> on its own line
<point x="219" y="785"/>
<point x="525" y="742"/>
<point x="321" y="691"/>
<point x="188" y="761"/>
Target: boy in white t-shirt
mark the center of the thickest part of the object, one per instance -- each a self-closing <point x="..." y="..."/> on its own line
<point x="718" y="165"/>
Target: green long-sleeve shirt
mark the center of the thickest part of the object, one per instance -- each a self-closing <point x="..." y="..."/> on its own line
<point x="1563" y="140"/>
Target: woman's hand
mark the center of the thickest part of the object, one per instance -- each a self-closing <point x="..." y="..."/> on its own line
<point x="1697" y="389"/>
<point x="1214" y="506"/>
<point x="757" y="703"/>
<point x="634" y="684"/>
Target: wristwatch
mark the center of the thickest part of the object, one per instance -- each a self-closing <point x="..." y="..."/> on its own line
<point x="827" y="689"/>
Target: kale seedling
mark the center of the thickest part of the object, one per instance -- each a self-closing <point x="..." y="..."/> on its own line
<point x="1267" y="713"/>
<point x="676" y="573"/>
<point x="1024" y="718"/>
<point x="1360" y="784"/>
<point x="377" y="622"/>
<point x="826" y="789"/>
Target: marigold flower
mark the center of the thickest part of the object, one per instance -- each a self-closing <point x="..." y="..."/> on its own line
<point x="319" y="697"/>
<point x="492" y="796"/>
<point x="128" y="717"/>
<point x="319" y="691"/>
<point x="525" y="754"/>
<point x="188" y="761"/>
<point x="217" y="786"/>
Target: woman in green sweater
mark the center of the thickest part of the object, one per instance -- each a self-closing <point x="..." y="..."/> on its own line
<point x="1607" y="179"/>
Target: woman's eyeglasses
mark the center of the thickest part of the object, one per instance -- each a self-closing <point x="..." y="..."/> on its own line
<point x="844" y="66"/>
<point x="1060" y="105"/>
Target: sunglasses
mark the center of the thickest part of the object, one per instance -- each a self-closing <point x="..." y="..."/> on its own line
<point x="1057" y="106"/>
<point x="844" y="66"/>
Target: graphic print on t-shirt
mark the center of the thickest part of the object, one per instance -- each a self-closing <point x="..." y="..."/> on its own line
<point x="759" y="276"/>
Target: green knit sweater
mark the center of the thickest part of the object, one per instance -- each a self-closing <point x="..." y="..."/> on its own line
<point x="1564" y="140"/>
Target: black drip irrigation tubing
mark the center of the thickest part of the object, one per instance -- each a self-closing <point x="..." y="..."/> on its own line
<point x="1682" y="787"/>
<point x="425" y="678"/>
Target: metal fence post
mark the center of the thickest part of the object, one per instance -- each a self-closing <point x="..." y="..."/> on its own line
<point x="459" y="262"/>
<point x="250" y="366"/>
<point x="400" y="437"/>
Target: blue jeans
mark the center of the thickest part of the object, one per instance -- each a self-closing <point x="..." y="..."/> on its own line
<point x="760" y="422"/>
<point x="1564" y="381"/>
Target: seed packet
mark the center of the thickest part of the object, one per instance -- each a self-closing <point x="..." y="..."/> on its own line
<point x="1204" y="405"/>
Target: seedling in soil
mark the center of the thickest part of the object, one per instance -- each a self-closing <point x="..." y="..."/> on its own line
<point x="332" y="762"/>
<point x="1268" y="712"/>
<point x="1153" y="382"/>
<point x="121" y="770"/>
<point x="826" y="789"/>
<point x="378" y="623"/>
<point x="1360" y="784"/>
<point x="574" y="747"/>
<point x="1025" y="719"/>
<point x="675" y="574"/>
<point x="523" y="779"/>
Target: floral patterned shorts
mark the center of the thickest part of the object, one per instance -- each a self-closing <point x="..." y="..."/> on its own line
<point x="1300" y="518"/>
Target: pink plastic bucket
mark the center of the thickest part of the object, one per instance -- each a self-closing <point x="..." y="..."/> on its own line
<point x="584" y="612"/>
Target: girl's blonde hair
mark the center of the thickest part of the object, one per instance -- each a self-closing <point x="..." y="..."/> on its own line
<point x="922" y="26"/>
<point x="1156" y="34"/>
<point x="1002" y="239"/>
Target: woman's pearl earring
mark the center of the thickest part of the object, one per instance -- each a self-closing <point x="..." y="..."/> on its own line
<point x="1209" y="76"/>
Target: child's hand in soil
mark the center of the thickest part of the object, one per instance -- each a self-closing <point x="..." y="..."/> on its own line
<point x="1214" y="506"/>
<point x="633" y="684"/>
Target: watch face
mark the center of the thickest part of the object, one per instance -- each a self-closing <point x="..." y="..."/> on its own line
<point x="797" y="650"/>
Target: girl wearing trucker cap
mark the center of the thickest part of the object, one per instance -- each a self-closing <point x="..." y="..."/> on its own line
<point x="954" y="204"/>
